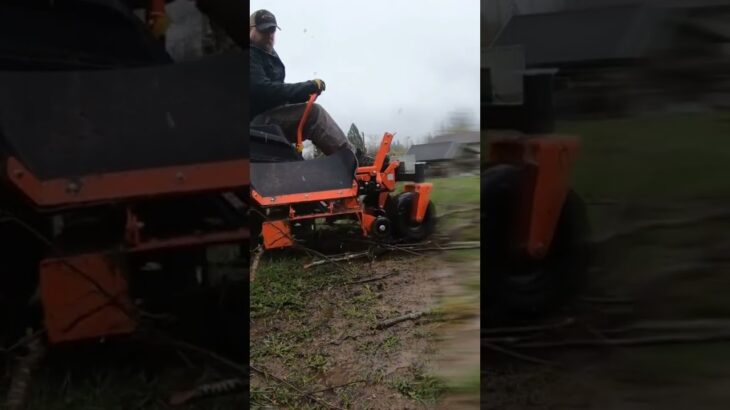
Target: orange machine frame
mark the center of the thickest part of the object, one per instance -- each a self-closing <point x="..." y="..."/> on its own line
<point x="549" y="162"/>
<point x="344" y="202"/>
<point x="85" y="296"/>
<point x="116" y="186"/>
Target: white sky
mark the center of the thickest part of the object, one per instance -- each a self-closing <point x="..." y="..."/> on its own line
<point x="390" y="65"/>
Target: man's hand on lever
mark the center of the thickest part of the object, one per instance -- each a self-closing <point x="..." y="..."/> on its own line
<point x="319" y="84"/>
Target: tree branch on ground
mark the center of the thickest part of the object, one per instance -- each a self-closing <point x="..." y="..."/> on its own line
<point x="528" y="329"/>
<point x="377" y="278"/>
<point x="394" y="321"/>
<point x="671" y="223"/>
<point x="517" y="355"/>
<point x="208" y="390"/>
<point x="341" y="258"/>
<point x="257" y="253"/>
<point x="458" y="211"/>
<point x="288" y="384"/>
<point x="23" y="373"/>
<point x="637" y="341"/>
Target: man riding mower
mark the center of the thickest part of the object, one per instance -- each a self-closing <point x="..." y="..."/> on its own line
<point x="289" y="193"/>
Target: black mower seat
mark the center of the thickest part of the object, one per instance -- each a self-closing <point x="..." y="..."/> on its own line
<point x="333" y="172"/>
<point x="268" y="133"/>
<point x="268" y="144"/>
<point x="64" y="124"/>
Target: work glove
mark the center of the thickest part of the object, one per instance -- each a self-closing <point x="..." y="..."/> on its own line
<point x="319" y="84"/>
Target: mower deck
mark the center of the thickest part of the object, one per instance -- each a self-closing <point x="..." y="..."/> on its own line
<point x="330" y="173"/>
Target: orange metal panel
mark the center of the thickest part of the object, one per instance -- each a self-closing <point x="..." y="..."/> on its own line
<point x="554" y="159"/>
<point x="84" y="297"/>
<point x="276" y="234"/>
<point x="192" y="240"/>
<point x="130" y="184"/>
<point x="367" y="222"/>
<point x="548" y="160"/>
<point x="156" y="18"/>
<point x="383" y="199"/>
<point x="325" y="214"/>
<point x="423" y="196"/>
<point x="388" y="178"/>
<point x="304" y="197"/>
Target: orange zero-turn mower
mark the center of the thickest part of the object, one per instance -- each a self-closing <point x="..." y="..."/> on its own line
<point x="290" y="194"/>
<point x="535" y="231"/>
<point x="122" y="174"/>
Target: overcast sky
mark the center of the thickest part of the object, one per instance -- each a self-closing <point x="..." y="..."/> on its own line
<point x="390" y="65"/>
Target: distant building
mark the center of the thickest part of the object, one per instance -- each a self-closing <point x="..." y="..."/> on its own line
<point x="617" y="58"/>
<point x="470" y="139"/>
<point x="449" y="154"/>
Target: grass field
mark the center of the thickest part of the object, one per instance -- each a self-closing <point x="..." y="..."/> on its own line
<point x="670" y="157"/>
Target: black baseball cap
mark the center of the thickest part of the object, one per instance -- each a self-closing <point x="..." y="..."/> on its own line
<point x="263" y="20"/>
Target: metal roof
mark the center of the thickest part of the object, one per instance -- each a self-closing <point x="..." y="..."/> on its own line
<point x="598" y="34"/>
<point x="468" y="137"/>
<point x="435" y="151"/>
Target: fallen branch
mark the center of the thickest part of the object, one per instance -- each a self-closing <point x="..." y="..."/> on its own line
<point x="341" y="258"/>
<point x="512" y="340"/>
<point x="22" y="341"/>
<point x="222" y="360"/>
<point x="208" y="390"/>
<point x="517" y="355"/>
<point x="672" y="223"/>
<point x="458" y="211"/>
<point x="606" y="300"/>
<point x="394" y="321"/>
<point x="638" y="341"/>
<point x="257" y="253"/>
<point x="452" y="248"/>
<point x="603" y="202"/>
<point x="455" y="231"/>
<point x="325" y="257"/>
<point x="715" y="325"/>
<point x="339" y="386"/>
<point x="428" y="246"/>
<point x="413" y="249"/>
<point x="528" y="329"/>
<point x="377" y="278"/>
<point x="288" y="384"/>
<point x="23" y="373"/>
<point x="391" y="247"/>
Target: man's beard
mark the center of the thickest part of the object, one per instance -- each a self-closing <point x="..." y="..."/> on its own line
<point x="266" y="46"/>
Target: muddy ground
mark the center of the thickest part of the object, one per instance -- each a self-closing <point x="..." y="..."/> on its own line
<point x="323" y="335"/>
<point x="674" y="271"/>
<point x="315" y="335"/>
<point x="313" y="338"/>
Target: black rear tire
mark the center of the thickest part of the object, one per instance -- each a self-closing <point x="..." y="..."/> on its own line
<point x="406" y="228"/>
<point x="516" y="285"/>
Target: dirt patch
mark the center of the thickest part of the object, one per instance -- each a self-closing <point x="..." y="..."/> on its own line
<point x="668" y="273"/>
<point x="330" y="343"/>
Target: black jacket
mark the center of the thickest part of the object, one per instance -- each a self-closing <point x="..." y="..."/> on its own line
<point x="268" y="89"/>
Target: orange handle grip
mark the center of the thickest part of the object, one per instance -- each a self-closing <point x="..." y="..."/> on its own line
<point x="305" y="116"/>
